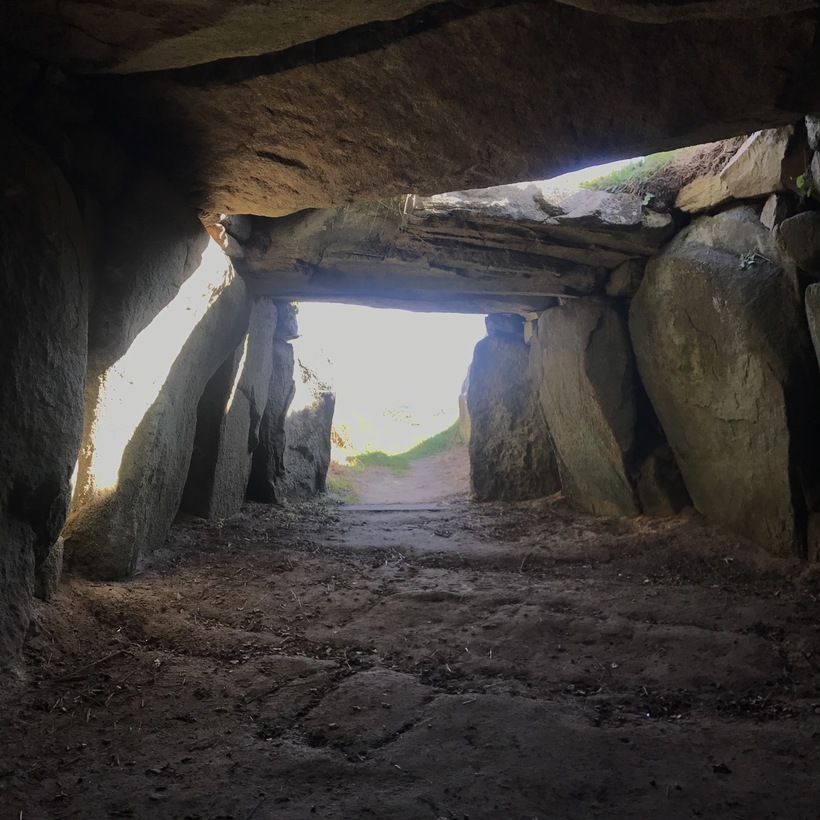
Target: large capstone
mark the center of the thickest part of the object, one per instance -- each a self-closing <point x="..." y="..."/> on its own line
<point x="43" y="326"/>
<point x="724" y="352"/>
<point x="511" y="456"/>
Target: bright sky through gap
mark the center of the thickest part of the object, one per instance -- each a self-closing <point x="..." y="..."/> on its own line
<point x="397" y="374"/>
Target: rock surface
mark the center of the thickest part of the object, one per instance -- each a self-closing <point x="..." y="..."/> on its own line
<point x="583" y="369"/>
<point x="168" y="310"/>
<point x="813" y="132"/>
<point x="43" y="327"/>
<point x="268" y="463"/>
<point x="505" y="324"/>
<point x="47" y="574"/>
<point x="798" y="237"/>
<point x="703" y="194"/>
<point x="463" y="250"/>
<point x="511" y="456"/>
<point x="722" y="349"/>
<point x="307" y="445"/>
<point x="757" y="168"/>
<point x="412" y="102"/>
<point x="777" y="208"/>
<point x="228" y="418"/>
<point x="625" y="280"/>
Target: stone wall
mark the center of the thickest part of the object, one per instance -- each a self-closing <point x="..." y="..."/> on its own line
<point x="168" y="310"/>
<point x="718" y="400"/>
<point x="228" y="421"/>
<point x="511" y="454"/>
<point x="44" y="273"/>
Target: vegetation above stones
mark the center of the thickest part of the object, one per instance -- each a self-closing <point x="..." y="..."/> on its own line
<point x="400" y="462"/>
<point x="657" y="178"/>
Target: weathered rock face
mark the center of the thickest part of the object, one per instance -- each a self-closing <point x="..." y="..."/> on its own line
<point x="511" y="456"/>
<point x="307" y="448"/>
<point x="43" y="326"/>
<point x="464" y="424"/>
<point x="583" y="369"/>
<point x="272" y="121"/>
<point x="501" y="250"/>
<point x="228" y="418"/>
<point x="798" y="237"/>
<point x="268" y="464"/>
<point x="168" y="310"/>
<point x="758" y="168"/>
<point x="722" y="349"/>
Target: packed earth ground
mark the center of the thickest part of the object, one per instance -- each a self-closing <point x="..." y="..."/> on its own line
<point x="430" y="660"/>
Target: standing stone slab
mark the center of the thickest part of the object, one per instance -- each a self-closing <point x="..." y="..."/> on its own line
<point x="511" y="456"/>
<point x="268" y="464"/>
<point x="307" y="448"/>
<point x="43" y="329"/>
<point x="583" y="366"/>
<point x="724" y="353"/>
<point x="757" y="167"/>
<point x="228" y="418"/>
<point x="798" y="237"/>
<point x="168" y="310"/>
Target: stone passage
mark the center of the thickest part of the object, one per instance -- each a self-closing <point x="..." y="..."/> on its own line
<point x="134" y="343"/>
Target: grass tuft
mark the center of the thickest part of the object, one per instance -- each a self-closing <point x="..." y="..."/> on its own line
<point x="400" y="463"/>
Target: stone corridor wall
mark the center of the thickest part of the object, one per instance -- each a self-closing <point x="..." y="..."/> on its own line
<point x="116" y="311"/>
<point x="710" y="393"/>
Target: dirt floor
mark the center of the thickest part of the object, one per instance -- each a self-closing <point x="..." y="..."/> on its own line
<point x="439" y="661"/>
<point x="442" y="477"/>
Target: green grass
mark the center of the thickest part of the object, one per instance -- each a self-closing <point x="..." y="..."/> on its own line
<point x="400" y="463"/>
<point x="633" y="175"/>
<point x="342" y="488"/>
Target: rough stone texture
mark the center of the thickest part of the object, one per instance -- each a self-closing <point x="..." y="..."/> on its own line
<point x="168" y="309"/>
<point x="703" y="194"/>
<point x="431" y="101"/>
<point x="660" y="485"/>
<point x="757" y="167"/>
<point x="228" y="418"/>
<point x="47" y="575"/>
<point x="722" y="348"/>
<point x="583" y="367"/>
<point x="466" y="250"/>
<point x="813" y="132"/>
<point x="287" y="325"/>
<point x="505" y="324"/>
<point x="798" y="237"/>
<point x="777" y="208"/>
<point x="511" y="456"/>
<point x="464" y="424"/>
<point x="238" y="226"/>
<point x="43" y="328"/>
<point x="625" y="280"/>
<point x="307" y="448"/>
<point x="268" y="464"/>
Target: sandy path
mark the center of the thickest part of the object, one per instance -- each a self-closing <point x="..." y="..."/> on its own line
<point x="442" y="477"/>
